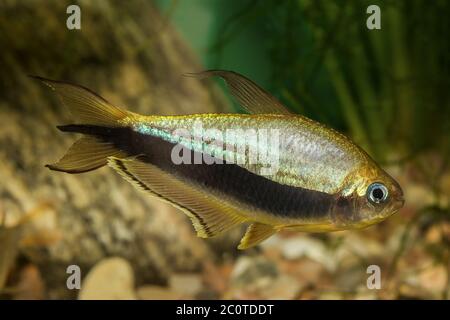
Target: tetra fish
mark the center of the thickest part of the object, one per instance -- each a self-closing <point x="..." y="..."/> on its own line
<point x="322" y="180"/>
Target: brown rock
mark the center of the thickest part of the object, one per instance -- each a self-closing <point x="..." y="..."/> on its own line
<point x="111" y="278"/>
<point x="30" y="286"/>
<point x="186" y="284"/>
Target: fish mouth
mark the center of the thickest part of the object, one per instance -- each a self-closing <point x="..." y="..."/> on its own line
<point x="399" y="203"/>
<point x="395" y="207"/>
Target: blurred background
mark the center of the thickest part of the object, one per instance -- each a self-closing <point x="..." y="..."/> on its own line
<point x="387" y="89"/>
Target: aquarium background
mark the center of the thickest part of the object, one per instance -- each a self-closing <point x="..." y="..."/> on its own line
<point x="387" y="89"/>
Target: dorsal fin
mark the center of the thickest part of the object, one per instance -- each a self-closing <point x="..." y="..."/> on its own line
<point x="210" y="215"/>
<point x="252" y="97"/>
<point x="256" y="233"/>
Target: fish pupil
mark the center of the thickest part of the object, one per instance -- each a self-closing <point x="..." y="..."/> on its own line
<point x="378" y="194"/>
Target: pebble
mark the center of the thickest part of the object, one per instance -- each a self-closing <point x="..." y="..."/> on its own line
<point x="111" y="278"/>
<point x="186" y="284"/>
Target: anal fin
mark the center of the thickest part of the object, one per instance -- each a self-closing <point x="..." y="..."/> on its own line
<point x="209" y="214"/>
<point x="256" y="233"/>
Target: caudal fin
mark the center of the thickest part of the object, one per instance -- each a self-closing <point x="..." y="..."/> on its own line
<point x="87" y="107"/>
<point x="86" y="154"/>
<point x="89" y="110"/>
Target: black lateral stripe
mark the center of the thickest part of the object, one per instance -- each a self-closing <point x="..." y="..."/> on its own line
<point x="145" y="187"/>
<point x="103" y="132"/>
<point x="246" y="187"/>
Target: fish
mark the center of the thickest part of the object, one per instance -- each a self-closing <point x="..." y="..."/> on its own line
<point x="268" y="168"/>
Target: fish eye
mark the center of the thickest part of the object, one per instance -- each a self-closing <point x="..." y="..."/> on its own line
<point x="377" y="193"/>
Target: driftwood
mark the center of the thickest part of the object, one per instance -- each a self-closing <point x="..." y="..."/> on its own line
<point x="129" y="54"/>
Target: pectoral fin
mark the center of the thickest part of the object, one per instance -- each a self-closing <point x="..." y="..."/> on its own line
<point x="253" y="98"/>
<point x="256" y="233"/>
<point x="210" y="215"/>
